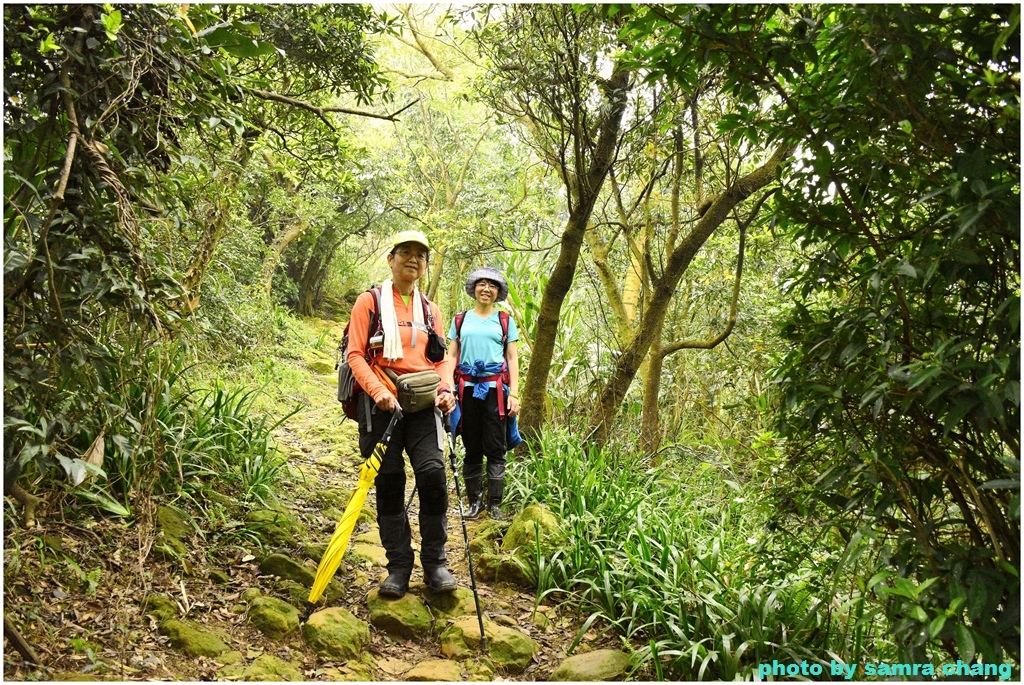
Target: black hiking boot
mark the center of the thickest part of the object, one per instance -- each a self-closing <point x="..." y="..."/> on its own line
<point x="440" y="580"/>
<point x="434" y="534"/>
<point x="395" y="585"/>
<point x="495" y="491"/>
<point x="474" y="493"/>
<point x="396" y="538"/>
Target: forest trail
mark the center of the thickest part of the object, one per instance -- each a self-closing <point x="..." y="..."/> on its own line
<point x="75" y="590"/>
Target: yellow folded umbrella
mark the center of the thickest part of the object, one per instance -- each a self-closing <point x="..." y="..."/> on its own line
<point x="339" y="541"/>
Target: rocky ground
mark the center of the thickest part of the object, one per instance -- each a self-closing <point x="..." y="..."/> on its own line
<point x="109" y="600"/>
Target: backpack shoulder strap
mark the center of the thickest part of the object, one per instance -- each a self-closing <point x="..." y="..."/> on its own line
<point x="503" y="319"/>
<point x="459" y="318"/>
<point x="376" y="325"/>
<point x="428" y="314"/>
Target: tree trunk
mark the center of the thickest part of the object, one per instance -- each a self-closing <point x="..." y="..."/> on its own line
<point x="273" y="256"/>
<point x="589" y="185"/>
<point x="629" y="362"/>
<point x="314" y="275"/>
<point x="217" y="219"/>
<point x="650" y="417"/>
<point x="436" y="266"/>
<point x="599" y="252"/>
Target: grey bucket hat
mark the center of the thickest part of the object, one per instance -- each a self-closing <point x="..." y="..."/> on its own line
<point x="490" y="274"/>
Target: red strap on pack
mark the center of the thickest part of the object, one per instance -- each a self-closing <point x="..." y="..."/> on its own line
<point x="500" y="379"/>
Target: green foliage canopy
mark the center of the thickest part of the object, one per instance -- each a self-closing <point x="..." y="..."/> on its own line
<point x="98" y="102"/>
<point x="902" y="386"/>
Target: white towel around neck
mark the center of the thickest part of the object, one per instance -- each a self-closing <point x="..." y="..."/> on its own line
<point x="389" y="320"/>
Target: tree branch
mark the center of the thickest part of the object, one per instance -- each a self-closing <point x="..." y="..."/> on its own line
<point x="711" y="343"/>
<point x="323" y="111"/>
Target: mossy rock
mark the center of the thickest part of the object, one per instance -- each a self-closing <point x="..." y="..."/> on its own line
<point x="503" y="568"/>
<point x="482" y="546"/>
<point x="251" y="594"/>
<point x="269" y="668"/>
<point x="491" y="529"/>
<point x="533" y="524"/>
<point x="314" y="551"/>
<point x="227" y="501"/>
<point x="351" y="672"/>
<point x="160" y="607"/>
<point x="336" y="633"/>
<point x="274" y="527"/>
<point x="273" y="617"/>
<point x="405" y="617"/>
<point x="371" y="537"/>
<point x="335" y="497"/>
<point x="296" y="594"/>
<point x="597" y="666"/>
<point x="320" y="367"/>
<point x="479" y="670"/>
<point x="285" y="567"/>
<point x="173" y="522"/>
<point x="486" y="536"/>
<point x="232" y="666"/>
<point x="435" y="670"/>
<point x="168" y="549"/>
<point x="363" y="552"/>
<point x="452" y="604"/>
<point x="510" y="649"/>
<point x="192" y="639"/>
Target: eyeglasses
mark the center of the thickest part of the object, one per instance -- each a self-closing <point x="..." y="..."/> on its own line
<point x="488" y="285"/>
<point x="410" y="256"/>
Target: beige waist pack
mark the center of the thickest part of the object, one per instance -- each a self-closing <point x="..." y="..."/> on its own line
<point x="416" y="391"/>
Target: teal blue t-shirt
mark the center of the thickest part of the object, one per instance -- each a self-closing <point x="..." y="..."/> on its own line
<point x="481" y="339"/>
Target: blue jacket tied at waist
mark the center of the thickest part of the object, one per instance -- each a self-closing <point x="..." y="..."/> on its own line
<point x="479" y="371"/>
<point x="480" y="374"/>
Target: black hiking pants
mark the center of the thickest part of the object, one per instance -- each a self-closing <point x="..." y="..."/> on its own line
<point x="416" y="435"/>
<point x="483" y="435"/>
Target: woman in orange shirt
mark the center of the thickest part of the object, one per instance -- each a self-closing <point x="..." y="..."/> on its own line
<point x="419" y="434"/>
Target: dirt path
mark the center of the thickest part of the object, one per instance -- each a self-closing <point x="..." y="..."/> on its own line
<point x="73" y="588"/>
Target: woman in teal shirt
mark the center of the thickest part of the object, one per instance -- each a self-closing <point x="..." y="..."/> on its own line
<point x="487" y="380"/>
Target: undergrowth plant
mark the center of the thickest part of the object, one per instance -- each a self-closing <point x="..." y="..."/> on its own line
<point x="681" y="560"/>
<point x="144" y="432"/>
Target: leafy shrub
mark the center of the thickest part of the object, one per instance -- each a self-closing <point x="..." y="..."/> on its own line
<point x="675" y="559"/>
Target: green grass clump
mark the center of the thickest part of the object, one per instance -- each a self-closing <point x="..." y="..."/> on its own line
<point x="680" y="561"/>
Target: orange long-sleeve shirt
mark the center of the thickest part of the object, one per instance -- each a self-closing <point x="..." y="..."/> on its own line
<point x="413" y="359"/>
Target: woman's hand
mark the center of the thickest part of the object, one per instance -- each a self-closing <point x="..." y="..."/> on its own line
<point x="387" y="402"/>
<point x="445" y="401"/>
<point x="513" y="405"/>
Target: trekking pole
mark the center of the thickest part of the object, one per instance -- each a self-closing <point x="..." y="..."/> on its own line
<point x="465" y="534"/>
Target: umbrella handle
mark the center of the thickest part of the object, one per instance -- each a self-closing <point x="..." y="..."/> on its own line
<point x="395" y="418"/>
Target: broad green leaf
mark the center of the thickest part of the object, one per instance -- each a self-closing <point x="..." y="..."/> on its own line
<point x="964" y="643"/>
